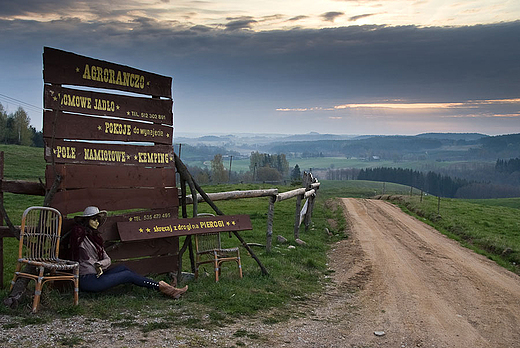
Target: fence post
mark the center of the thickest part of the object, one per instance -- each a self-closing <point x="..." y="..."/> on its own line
<point x="270" y="216"/>
<point x="307" y="181"/>
<point x="297" y="216"/>
<point x="308" y="215"/>
<point x="1" y="221"/>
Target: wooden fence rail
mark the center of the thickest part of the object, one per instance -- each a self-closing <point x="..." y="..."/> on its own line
<point x="308" y="192"/>
<point x="220" y="196"/>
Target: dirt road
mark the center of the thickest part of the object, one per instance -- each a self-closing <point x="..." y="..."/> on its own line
<point x="398" y="276"/>
<point x="423" y="289"/>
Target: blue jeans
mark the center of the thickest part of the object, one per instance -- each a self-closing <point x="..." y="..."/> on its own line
<point x="119" y="274"/>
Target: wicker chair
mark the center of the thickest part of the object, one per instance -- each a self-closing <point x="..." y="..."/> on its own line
<point x="209" y="250"/>
<point x="39" y="246"/>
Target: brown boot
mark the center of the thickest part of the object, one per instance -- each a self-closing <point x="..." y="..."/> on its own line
<point x="171" y="291"/>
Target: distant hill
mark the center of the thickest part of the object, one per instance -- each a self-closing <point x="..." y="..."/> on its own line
<point x="431" y="146"/>
<point x="502" y="146"/>
<point x="453" y="136"/>
<point x="312" y="136"/>
<point x="381" y="146"/>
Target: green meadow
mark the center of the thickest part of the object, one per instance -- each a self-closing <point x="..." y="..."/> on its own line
<point x="491" y="227"/>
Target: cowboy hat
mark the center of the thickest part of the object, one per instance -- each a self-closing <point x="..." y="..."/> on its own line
<point x="91" y="212"/>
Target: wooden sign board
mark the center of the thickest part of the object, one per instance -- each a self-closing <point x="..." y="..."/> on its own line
<point x="94" y="142"/>
<point x="110" y="231"/>
<point x="104" y="104"/>
<point x="145" y="248"/>
<point x="96" y="153"/>
<point x="109" y="228"/>
<point x="139" y="230"/>
<point x="75" y="176"/>
<point x="58" y="125"/>
<point x="72" y="201"/>
<point x="67" y="68"/>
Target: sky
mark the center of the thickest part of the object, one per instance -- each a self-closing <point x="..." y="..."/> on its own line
<point x="290" y="67"/>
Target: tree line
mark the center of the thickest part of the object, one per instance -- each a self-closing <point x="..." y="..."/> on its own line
<point x="431" y="182"/>
<point x="263" y="167"/>
<point x="508" y="166"/>
<point x="15" y="128"/>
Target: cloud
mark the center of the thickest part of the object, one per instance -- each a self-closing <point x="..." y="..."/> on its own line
<point x="241" y="23"/>
<point x="331" y="16"/>
<point x="272" y="17"/>
<point x="261" y="74"/>
<point x="297" y="18"/>
<point x="464" y="111"/>
<point x="304" y="109"/>
<point x="403" y="105"/>
<point x="507" y="115"/>
<point x="355" y="18"/>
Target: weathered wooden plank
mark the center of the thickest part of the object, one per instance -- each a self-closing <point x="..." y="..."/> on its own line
<point x="2" y="159"/>
<point x="22" y="187"/>
<point x="155" y="265"/>
<point x="67" y="68"/>
<point x="290" y="194"/>
<point x="96" y="153"/>
<point x="104" y="104"/>
<point x="91" y="176"/>
<point x="6" y="232"/>
<point x="144" y="248"/>
<point x="219" y="196"/>
<point x="181" y="227"/>
<point x="59" y="125"/>
<point x="309" y="193"/>
<point x="109" y="229"/>
<point x="73" y="201"/>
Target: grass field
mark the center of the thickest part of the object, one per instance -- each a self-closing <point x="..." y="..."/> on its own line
<point x="502" y="202"/>
<point x="492" y="227"/>
<point x="23" y="162"/>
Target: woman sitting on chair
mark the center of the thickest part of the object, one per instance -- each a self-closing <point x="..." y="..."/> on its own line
<point x="96" y="273"/>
